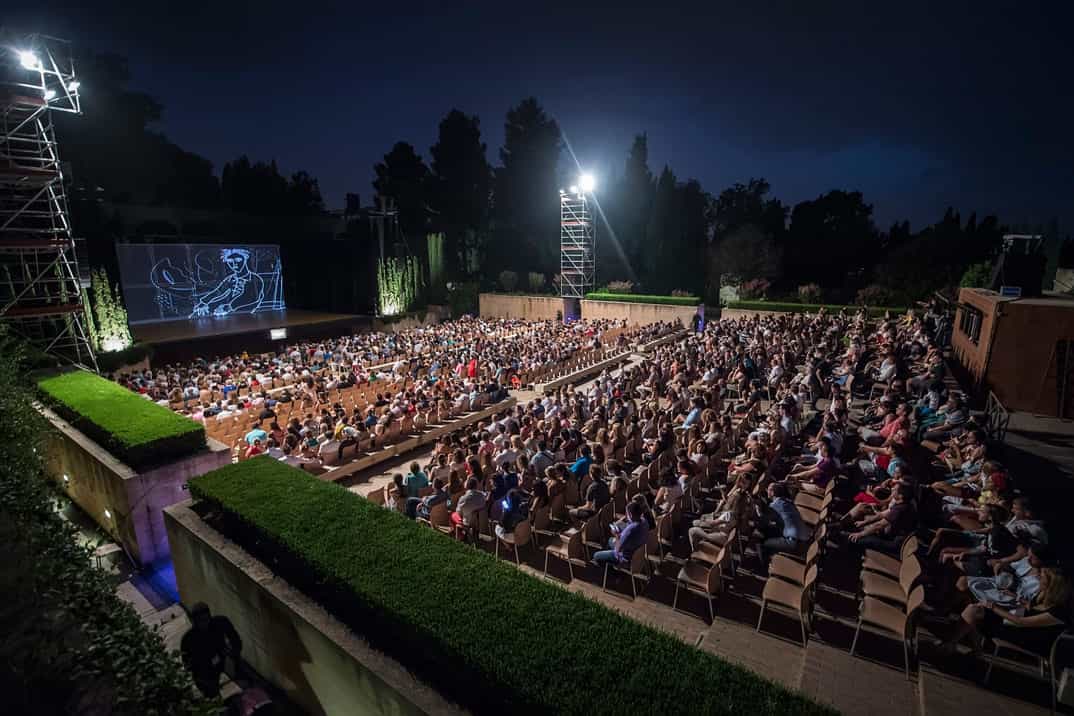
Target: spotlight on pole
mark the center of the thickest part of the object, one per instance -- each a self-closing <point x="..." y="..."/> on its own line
<point x="587" y="183"/>
<point x="29" y="60"/>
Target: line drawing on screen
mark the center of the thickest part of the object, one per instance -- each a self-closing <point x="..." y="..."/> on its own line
<point x="218" y="282"/>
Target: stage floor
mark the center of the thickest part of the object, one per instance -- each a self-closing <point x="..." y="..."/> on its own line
<point x="208" y="327"/>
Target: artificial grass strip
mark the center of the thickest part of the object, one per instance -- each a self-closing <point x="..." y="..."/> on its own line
<point x="483" y="633"/>
<point x="135" y="430"/>
<point x="641" y="298"/>
<point x="787" y="307"/>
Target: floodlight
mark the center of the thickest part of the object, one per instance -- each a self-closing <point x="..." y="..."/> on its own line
<point x="574" y="189"/>
<point x="73" y="86"/>
<point x="50" y="93"/>
<point x="29" y="60"/>
<point x="587" y="183"/>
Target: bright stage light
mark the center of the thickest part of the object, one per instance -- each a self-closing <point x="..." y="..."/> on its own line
<point x="50" y="93"/>
<point x="73" y="86"/>
<point x="29" y="60"/>
<point x="587" y="183"/>
<point x="574" y="189"/>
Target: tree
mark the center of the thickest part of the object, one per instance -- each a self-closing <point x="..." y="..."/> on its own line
<point x="629" y="203"/>
<point x="403" y="177"/>
<point x="748" y="205"/>
<point x="526" y="205"/>
<point x="831" y="241"/>
<point x="748" y="253"/>
<point x="662" y="263"/>
<point x="304" y="195"/>
<point x="459" y="189"/>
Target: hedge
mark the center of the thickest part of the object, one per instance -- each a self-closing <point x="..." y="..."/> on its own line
<point x="483" y="633"/>
<point x="640" y="298"/>
<point x="135" y="430"/>
<point x="874" y="311"/>
<point x="114" y="360"/>
<point x="69" y="644"/>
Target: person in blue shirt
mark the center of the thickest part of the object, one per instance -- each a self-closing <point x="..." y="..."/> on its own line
<point x="632" y="537"/>
<point x="415" y="481"/>
<point x="256" y="433"/>
<point x="580" y="468"/>
<point x="695" y="412"/>
<point x="782" y="525"/>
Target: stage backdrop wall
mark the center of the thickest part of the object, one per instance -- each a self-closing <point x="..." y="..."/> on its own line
<point x="165" y="282"/>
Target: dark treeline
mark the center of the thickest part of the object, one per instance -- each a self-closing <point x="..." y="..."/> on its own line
<point x="662" y="233"/>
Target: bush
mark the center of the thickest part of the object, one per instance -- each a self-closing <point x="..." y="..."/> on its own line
<point x="509" y="280"/>
<point x="479" y="631"/>
<point x="463" y="298"/>
<point x="69" y="645"/>
<point x="754" y="288"/>
<point x="641" y="298"/>
<point x="680" y="293"/>
<point x="778" y="307"/>
<point x="620" y="287"/>
<point x="135" y="430"/>
<point x="809" y="293"/>
<point x="536" y="281"/>
<point x="977" y="276"/>
<point x="111" y="362"/>
<point x="872" y="295"/>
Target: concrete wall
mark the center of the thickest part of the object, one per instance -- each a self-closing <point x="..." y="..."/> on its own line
<point x="545" y="308"/>
<point x="530" y="308"/>
<point x="322" y="665"/>
<point x="126" y="504"/>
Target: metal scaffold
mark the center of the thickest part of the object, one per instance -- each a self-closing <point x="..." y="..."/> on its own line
<point x="577" y="258"/>
<point x="41" y="291"/>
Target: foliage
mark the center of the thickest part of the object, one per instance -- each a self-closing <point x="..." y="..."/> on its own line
<point x="536" y="281"/>
<point x="641" y="298"/>
<point x="399" y="284"/>
<point x="809" y="293"/>
<point x="135" y="430"/>
<point x="435" y="244"/>
<point x="402" y="177"/>
<point x="464" y="299"/>
<point x="110" y="362"/>
<point x="679" y="293"/>
<point x="109" y="315"/>
<point x="873" y="295"/>
<point x="977" y="275"/>
<point x="747" y="253"/>
<point x="462" y="620"/>
<point x="69" y="645"/>
<point x="754" y="288"/>
<point x="259" y="188"/>
<point x="781" y="307"/>
<point x="619" y="287"/>
<point x="509" y="280"/>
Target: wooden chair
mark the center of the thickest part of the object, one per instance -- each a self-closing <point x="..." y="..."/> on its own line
<point x="790" y="568"/>
<point x="795" y="597"/>
<point x="805" y="501"/>
<point x="570" y="549"/>
<point x="376" y="496"/>
<point x="882" y="563"/>
<point x="814" y="519"/>
<point x="638" y="567"/>
<point x="702" y="579"/>
<point x="542" y="525"/>
<point x="1047" y="663"/>
<point x="896" y="591"/>
<point x="593" y="531"/>
<point x="520" y="537"/>
<point x="887" y="619"/>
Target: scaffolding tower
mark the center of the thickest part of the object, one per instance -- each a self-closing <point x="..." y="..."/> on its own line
<point x="41" y="290"/>
<point x="577" y="245"/>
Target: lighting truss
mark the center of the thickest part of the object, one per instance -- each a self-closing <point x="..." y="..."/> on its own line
<point x="577" y="245"/>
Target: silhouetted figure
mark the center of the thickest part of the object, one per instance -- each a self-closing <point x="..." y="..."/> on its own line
<point x="205" y="647"/>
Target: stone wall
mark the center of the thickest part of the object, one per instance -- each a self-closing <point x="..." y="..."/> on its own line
<point x="638" y="313"/>
<point x="126" y="504"/>
<point x="545" y="308"/>
<point x="319" y="663"/>
<point x="530" y="308"/>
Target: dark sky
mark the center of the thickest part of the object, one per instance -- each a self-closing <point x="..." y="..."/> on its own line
<point x="917" y="105"/>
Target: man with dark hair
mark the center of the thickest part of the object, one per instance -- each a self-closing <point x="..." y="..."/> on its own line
<point x="204" y="648"/>
<point x="632" y="537"/>
<point x="886" y="530"/>
<point x="782" y="525"/>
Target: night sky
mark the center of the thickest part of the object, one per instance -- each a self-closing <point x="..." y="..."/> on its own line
<point x="918" y="106"/>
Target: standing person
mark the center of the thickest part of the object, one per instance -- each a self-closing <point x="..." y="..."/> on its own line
<point x="204" y="648"/>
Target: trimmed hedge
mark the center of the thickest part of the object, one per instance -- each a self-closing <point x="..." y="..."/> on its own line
<point x="69" y="644"/>
<point x="481" y="632"/>
<point x="874" y="311"/>
<point x="135" y="430"/>
<point x="641" y="298"/>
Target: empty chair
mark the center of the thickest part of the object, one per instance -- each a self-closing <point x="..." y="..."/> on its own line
<point x="794" y="597"/>
<point x="791" y="568"/>
<point x="896" y="591"/>
<point x="700" y="578"/>
<point x="570" y="549"/>
<point x="887" y="619"/>
<point x="518" y="538"/>
<point x="876" y="561"/>
<point x="1047" y="662"/>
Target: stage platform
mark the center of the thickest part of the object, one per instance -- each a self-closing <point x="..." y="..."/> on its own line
<point x="211" y="337"/>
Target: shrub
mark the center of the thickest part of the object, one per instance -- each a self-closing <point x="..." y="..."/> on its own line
<point x="620" y="287"/>
<point x="508" y="280"/>
<point x="463" y="298"/>
<point x="111" y="362"/>
<point x="872" y="295"/>
<point x="69" y="645"/>
<point x="977" y="276"/>
<point x="642" y="298"/>
<point x="135" y="430"/>
<point x="680" y="293"/>
<point x="399" y="284"/>
<point x="536" y="281"/>
<point x="481" y="632"/>
<point x="755" y="288"/>
<point x="779" y="307"/>
<point x="809" y="293"/>
<point x="557" y="281"/>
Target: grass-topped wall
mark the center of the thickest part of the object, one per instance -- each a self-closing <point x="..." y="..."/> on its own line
<point x="641" y="298"/>
<point x="481" y="632"/>
<point x="137" y="431"/>
<point x="787" y="307"/>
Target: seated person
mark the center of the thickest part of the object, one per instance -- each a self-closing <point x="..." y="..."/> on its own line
<point x="732" y="511"/>
<point x="470" y="504"/>
<point x="596" y="496"/>
<point x="631" y="537"/>
<point x="781" y="524"/>
<point x="885" y="530"/>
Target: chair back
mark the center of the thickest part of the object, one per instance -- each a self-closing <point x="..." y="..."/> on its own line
<point x="440" y="515"/>
<point x="638" y="560"/>
<point x="377" y="496"/>
<point x="523" y="533"/>
<point x="619" y="501"/>
<point x="570" y="492"/>
<point x="813" y="553"/>
<point x="664" y="526"/>
<point x="592" y="530"/>
<point x="909" y="546"/>
<point x="807" y="587"/>
<point x="575" y="548"/>
<point x="909" y="571"/>
<point x="713" y="580"/>
<point x="606" y="514"/>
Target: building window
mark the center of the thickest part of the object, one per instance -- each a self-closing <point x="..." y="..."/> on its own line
<point x="969" y="322"/>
